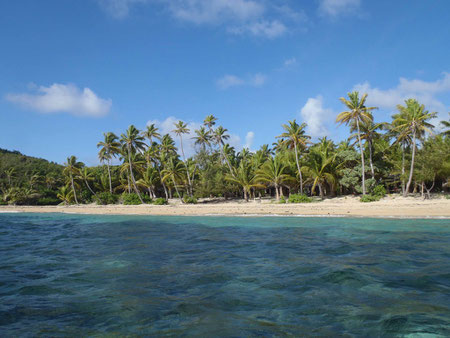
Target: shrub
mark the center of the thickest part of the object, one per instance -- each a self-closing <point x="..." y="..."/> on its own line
<point x="105" y="198"/>
<point x="48" y="201"/>
<point x="160" y="201"/>
<point x="369" y="198"/>
<point x="282" y="200"/>
<point x="3" y="202"/>
<point x="131" y="199"/>
<point x="189" y="200"/>
<point x="379" y="191"/>
<point x="299" y="198"/>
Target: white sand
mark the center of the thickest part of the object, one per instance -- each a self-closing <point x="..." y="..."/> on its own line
<point x="342" y="206"/>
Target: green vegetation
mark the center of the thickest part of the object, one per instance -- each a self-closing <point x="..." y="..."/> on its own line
<point x="404" y="156"/>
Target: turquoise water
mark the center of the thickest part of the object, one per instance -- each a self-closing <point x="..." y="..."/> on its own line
<point x="77" y="275"/>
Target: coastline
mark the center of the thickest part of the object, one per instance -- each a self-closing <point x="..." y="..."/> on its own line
<point x="397" y="207"/>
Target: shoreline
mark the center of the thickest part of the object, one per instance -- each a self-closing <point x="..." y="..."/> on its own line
<point x="389" y="207"/>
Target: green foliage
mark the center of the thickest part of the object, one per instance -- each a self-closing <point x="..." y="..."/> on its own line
<point x="160" y="201"/>
<point x="189" y="200"/>
<point x="105" y="198"/>
<point x="48" y="201"/>
<point x="299" y="198"/>
<point x="378" y="191"/>
<point x="131" y="199"/>
<point x="282" y="200"/>
<point x="369" y="198"/>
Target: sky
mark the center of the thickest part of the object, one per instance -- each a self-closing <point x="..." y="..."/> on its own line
<point x="72" y="70"/>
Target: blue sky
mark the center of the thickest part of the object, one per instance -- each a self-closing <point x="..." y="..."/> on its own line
<point x="71" y="70"/>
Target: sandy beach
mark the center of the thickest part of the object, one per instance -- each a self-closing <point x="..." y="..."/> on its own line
<point x="342" y="206"/>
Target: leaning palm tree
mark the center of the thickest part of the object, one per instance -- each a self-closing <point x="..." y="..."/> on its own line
<point x="295" y="137"/>
<point x="274" y="174"/>
<point x="358" y="113"/>
<point x="180" y="129"/>
<point x="132" y="142"/>
<point x="86" y="175"/>
<point x="412" y="122"/>
<point x="72" y="170"/>
<point x="109" y="149"/>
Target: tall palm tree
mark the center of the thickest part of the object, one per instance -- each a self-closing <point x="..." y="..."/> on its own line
<point x="274" y="174"/>
<point x="203" y="138"/>
<point x="220" y="135"/>
<point x="180" y="129"/>
<point x="412" y="121"/>
<point x="210" y="121"/>
<point x="132" y="142"/>
<point x="72" y="170"/>
<point x="358" y="113"/>
<point x="151" y="133"/>
<point x="294" y="137"/>
<point x="110" y="147"/>
<point x="369" y="131"/>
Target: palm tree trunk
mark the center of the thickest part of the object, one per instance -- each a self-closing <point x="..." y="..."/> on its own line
<point x="362" y="160"/>
<point x="370" y="159"/>
<point x="132" y="177"/>
<point x="403" y="168"/>
<point x="320" y="190"/>
<point x="73" y="188"/>
<point x="162" y="182"/>
<point x="89" y="187"/>
<point x="109" y="175"/>
<point x="185" y="164"/>
<point x="298" y="168"/>
<point x="176" y="189"/>
<point x="411" y="170"/>
<point x="277" y="193"/>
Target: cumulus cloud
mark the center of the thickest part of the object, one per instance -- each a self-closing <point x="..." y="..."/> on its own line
<point x="255" y="80"/>
<point x="335" y="8"/>
<point x="315" y="115"/>
<point x="249" y="139"/>
<point x="425" y="92"/>
<point x="244" y="17"/>
<point x="167" y="126"/>
<point x="61" y="98"/>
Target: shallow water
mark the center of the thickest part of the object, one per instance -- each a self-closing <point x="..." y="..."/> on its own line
<point x="76" y="275"/>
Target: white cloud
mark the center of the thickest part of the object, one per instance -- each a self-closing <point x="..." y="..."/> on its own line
<point x="255" y="80"/>
<point x="335" y="8"/>
<point x="290" y="62"/>
<point x="269" y="29"/>
<point x="166" y="126"/>
<point x="60" y="98"/>
<point x="315" y="115"/>
<point x="425" y="92"/>
<point x="258" y="18"/>
<point x="118" y="9"/>
<point x="249" y="139"/>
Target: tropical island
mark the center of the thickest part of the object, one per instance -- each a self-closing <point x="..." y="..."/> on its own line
<point x="400" y="158"/>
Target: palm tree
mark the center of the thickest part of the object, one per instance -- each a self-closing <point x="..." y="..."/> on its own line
<point x="65" y="194"/>
<point x="320" y="165"/>
<point x="220" y="136"/>
<point x="151" y="132"/>
<point x="10" y="174"/>
<point x="210" y="121"/>
<point x="369" y="133"/>
<point x="173" y="170"/>
<point x="274" y="174"/>
<point x="180" y="129"/>
<point x="203" y="138"/>
<point x="358" y="113"/>
<point x="109" y="149"/>
<point x="412" y="120"/>
<point x="132" y="142"/>
<point x="446" y="124"/>
<point x="245" y="177"/>
<point x="294" y="137"/>
<point x="85" y="175"/>
<point x="72" y="169"/>
<point x="149" y="180"/>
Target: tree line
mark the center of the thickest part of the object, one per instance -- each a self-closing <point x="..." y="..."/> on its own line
<point x="403" y="156"/>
